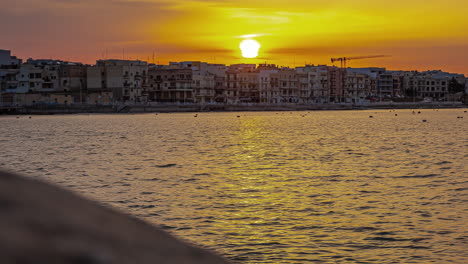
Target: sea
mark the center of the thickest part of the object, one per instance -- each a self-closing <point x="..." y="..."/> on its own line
<point x="372" y="186"/>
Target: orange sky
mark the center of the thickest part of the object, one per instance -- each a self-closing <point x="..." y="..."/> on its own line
<point x="418" y="34"/>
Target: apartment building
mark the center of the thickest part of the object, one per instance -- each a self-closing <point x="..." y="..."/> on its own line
<point x="170" y="85"/>
<point x="357" y="87"/>
<point x="268" y="84"/>
<point x="126" y="79"/>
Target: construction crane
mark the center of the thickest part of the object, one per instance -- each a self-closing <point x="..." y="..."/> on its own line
<point x="343" y="60"/>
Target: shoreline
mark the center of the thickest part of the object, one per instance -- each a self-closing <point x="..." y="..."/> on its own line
<point x="189" y="108"/>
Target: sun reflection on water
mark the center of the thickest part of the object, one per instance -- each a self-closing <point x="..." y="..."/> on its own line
<point x="269" y="187"/>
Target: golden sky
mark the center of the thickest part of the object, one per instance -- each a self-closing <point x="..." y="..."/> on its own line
<point x="417" y="34"/>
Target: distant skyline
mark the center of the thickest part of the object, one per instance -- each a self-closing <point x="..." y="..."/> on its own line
<point x="418" y="35"/>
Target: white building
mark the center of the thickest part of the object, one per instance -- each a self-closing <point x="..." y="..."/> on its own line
<point x="29" y="78"/>
<point x="268" y="84"/>
<point x="318" y="83"/>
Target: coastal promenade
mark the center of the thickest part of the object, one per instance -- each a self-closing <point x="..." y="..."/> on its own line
<point x="174" y="108"/>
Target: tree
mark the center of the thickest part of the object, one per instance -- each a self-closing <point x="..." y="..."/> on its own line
<point x="455" y="87"/>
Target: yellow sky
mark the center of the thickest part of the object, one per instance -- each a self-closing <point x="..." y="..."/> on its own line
<point x="419" y="34"/>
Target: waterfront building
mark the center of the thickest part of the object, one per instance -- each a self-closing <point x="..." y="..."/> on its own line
<point x="434" y="85"/>
<point x="268" y="84"/>
<point x="288" y="85"/>
<point x="29" y="79"/>
<point x="305" y="91"/>
<point x="126" y="79"/>
<point x="336" y="78"/>
<point x="72" y="79"/>
<point x="170" y="85"/>
<point x="231" y="88"/>
<point x="241" y="84"/>
<point x="36" y="81"/>
<point x="8" y="80"/>
<point x="249" y="92"/>
<point x="208" y="82"/>
<point x="383" y="83"/>
<point x="357" y="87"/>
<point x="136" y="82"/>
<point x="203" y="84"/>
<point x="318" y="85"/>
<point x="439" y="84"/>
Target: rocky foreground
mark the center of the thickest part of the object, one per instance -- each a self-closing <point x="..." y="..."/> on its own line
<point x="43" y="224"/>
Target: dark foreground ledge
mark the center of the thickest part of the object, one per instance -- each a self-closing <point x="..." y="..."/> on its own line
<point x="43" y="224"/>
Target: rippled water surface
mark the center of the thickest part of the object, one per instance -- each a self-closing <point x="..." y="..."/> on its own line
<point x="286" y="187"/>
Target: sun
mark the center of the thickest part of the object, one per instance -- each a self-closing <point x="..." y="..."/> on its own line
<point x="249" y="48"/>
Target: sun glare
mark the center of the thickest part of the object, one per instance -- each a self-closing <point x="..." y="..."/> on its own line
<point x="249" y="48"/>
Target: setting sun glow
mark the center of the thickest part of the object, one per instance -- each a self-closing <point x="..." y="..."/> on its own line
<point x="418" y="34"/>
<point x="249" y="48"/>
